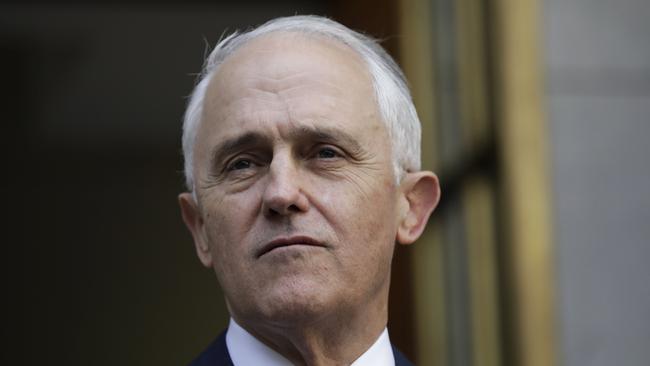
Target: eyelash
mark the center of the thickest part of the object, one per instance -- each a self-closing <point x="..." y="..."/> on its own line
<point x="333" y="153"/>
<point x="233" y="166"/>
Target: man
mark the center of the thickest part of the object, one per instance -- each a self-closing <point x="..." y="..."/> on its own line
<point x="302" y="147"/>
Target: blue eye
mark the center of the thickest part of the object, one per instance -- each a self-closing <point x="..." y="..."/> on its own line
<point x="327" y="153"/>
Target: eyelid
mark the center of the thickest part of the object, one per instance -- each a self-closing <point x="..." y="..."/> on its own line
<point x="341" y="153"/>
<point x="231" y="166"/>
<point x="230" y="162"/>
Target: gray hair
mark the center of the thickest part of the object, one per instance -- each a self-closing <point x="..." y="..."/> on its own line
<point x="391" y="90"/>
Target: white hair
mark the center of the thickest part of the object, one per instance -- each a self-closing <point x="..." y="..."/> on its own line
<point x="390" y="87"/>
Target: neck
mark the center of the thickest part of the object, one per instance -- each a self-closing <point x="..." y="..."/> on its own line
<point x="334" y="339"/>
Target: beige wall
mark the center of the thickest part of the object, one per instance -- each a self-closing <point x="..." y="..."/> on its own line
<point x="598" y="91"/>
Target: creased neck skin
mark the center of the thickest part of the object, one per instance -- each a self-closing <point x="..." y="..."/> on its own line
<point x="332" y="339"/>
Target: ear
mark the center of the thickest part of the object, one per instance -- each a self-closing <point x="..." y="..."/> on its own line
<point x="194" y="222"/>
<point x="420" y="195"/>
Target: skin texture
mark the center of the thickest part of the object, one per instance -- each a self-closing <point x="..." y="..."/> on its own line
<point x="298" y="211"/>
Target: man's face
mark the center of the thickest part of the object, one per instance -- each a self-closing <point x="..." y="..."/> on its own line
<point x="296" y="196"/>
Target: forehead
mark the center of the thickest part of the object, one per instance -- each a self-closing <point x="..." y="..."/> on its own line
<point x="312" y="77"/>
<point x="284" y="54"/>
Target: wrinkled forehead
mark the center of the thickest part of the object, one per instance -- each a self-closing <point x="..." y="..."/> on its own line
<point x="315" y="75"/>
<point x="322" y="52"/>
<point x="283" y="58"/>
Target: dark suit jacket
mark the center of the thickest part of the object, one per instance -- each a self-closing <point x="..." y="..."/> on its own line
<point x="217" y="355"/>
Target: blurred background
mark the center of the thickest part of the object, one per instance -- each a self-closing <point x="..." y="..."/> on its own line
<point x="535" y="115"/>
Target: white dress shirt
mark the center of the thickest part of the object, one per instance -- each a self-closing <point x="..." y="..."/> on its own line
<point x="246" y="350"/>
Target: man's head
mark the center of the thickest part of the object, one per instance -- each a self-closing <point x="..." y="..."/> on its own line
<point x="390" y="88"/>
<point x="301" y="186"/>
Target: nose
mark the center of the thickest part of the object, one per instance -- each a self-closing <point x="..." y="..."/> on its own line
<point x="283" y="194"/>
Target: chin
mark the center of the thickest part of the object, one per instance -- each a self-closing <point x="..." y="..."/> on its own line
<point x="297" y="304"/>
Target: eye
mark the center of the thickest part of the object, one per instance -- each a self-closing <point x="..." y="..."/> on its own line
<point x="327" y="153"/>
<point x="240" y="164"/>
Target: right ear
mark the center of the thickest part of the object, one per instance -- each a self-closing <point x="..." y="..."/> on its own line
<point x="194" y="222"/>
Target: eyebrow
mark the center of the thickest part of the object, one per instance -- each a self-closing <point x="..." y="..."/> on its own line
<point x="302" y="133"/>
<point x="326" y="134"/>
<point x="235" y="144"/>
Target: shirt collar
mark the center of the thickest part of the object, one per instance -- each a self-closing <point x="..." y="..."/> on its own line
<point x="246" y="350"/>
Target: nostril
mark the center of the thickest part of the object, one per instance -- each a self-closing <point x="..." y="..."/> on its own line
<point x="282" y="211"/>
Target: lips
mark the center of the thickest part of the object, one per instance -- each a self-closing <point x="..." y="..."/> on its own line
<point x="285" y="242"/>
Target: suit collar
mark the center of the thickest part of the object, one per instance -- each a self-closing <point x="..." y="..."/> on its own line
<point x="217" y="353"/>
<point x="245" y="349"/>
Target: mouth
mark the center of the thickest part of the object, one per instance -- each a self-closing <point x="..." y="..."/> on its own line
<point x="286" y="242"/>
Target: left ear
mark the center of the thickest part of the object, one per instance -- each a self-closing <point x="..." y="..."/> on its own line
<point x="420" y="195"/>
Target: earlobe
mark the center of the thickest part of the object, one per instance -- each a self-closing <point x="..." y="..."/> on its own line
<point x="421" y="191"/>
<point x="194" y="222"/>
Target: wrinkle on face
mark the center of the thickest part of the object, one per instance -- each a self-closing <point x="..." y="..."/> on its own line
<point x="290" y="84"/>
<point x="362" y="178"/>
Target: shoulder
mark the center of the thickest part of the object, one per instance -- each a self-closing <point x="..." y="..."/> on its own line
<point x="215" y="355"/>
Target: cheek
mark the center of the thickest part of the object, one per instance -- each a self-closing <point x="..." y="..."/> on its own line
<point x="362" y="218"/>
<point x="228" y="221"/>
<point x="229" y="249"/>
<point x="366" y="233"/>
<point x="228" y="216"/>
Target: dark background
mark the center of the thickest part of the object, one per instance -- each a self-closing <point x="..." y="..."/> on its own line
<point x="98" y="267"/>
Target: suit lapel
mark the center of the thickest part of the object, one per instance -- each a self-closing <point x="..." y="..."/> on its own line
<point x="215" y="355"/>
<point x="400" y="359"/>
